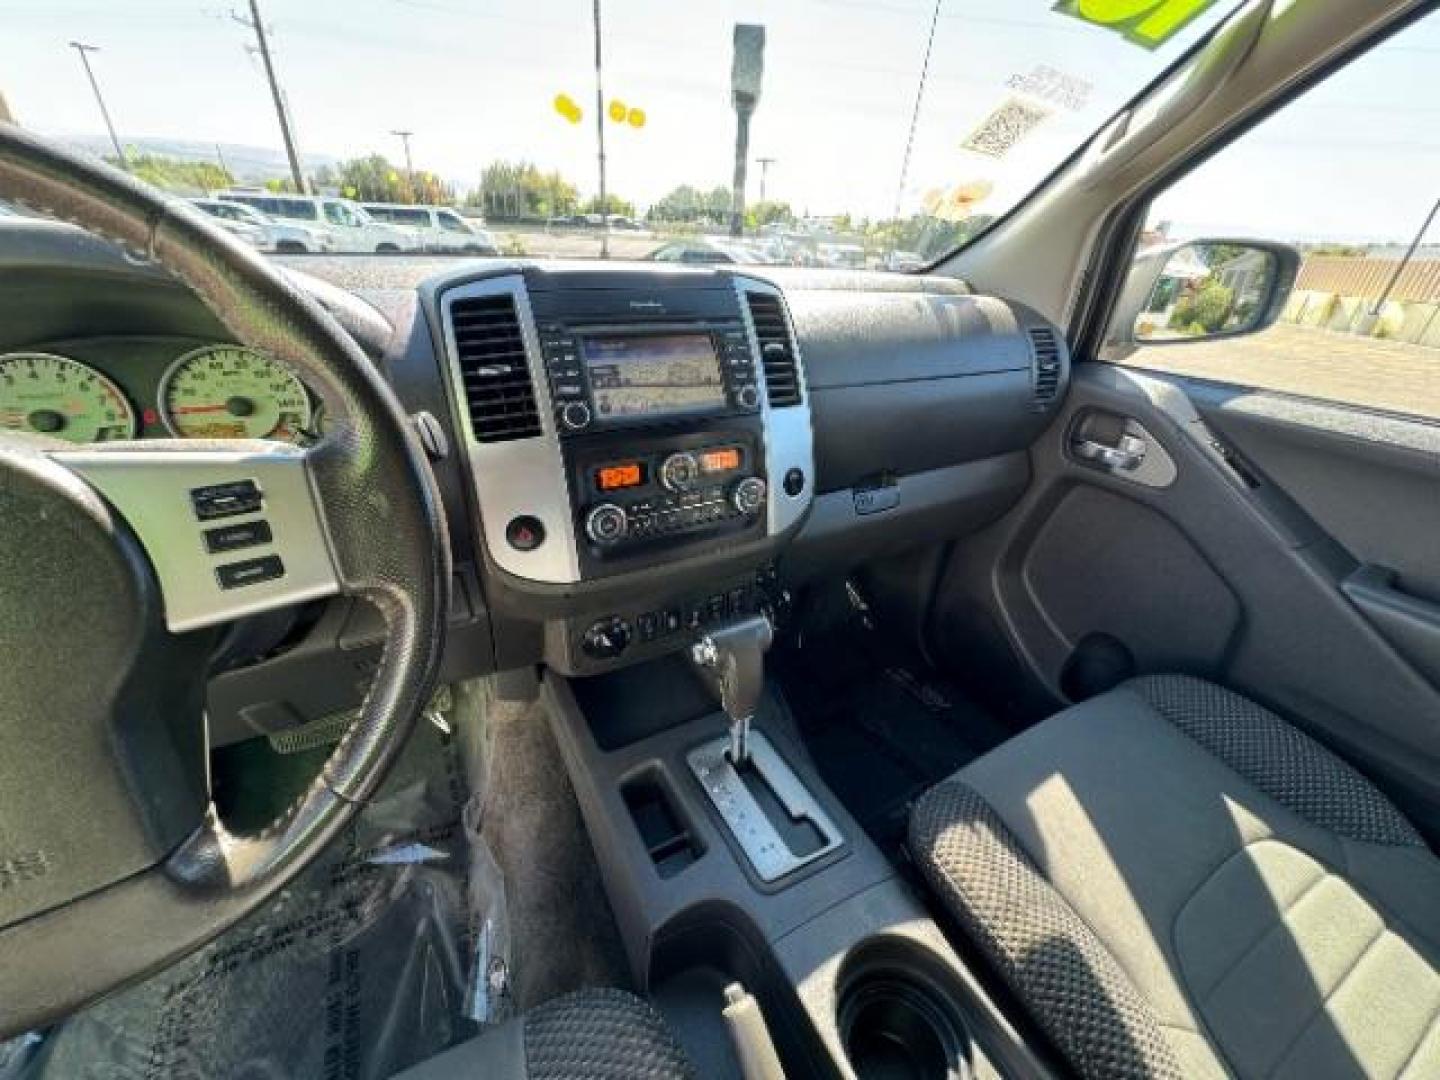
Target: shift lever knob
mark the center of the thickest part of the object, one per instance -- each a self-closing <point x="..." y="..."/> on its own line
<point x="732" y="660"/>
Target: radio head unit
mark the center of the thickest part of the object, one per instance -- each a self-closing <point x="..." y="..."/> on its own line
<point x="606" y="376"/>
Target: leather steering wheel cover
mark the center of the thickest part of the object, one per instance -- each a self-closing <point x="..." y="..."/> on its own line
<point x="390" y="546"/>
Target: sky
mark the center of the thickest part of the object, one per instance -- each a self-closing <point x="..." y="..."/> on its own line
<point x="475" y="80"/>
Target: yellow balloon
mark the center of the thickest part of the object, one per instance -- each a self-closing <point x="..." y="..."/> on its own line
<point x="636" y="118"/>
<point x="566" y="107"/>
<point x="618" y="111"/>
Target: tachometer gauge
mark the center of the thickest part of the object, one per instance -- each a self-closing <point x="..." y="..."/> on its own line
<point x="54" y="395"/>
<point x="227" y="392"/>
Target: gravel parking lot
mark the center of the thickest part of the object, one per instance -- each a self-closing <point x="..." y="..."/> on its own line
<point x="576" y="244"/>
<point x="1361" y="371"/>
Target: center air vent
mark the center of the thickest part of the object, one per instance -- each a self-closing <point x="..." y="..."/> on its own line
<point x="1045" y="353"/>
<point x="777" y="349"/>
<point x="496" y="372"/>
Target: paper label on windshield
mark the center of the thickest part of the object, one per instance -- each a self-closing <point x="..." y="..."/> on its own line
<point x="1005" y="127"/>
<point x="1049" y="84"/>
<point x="1147" y="23"/>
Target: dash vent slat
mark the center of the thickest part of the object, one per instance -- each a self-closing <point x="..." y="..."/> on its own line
<point x="1045" y="363"/>
<point x="777" y="349"/>
<point x="494" y="369"/>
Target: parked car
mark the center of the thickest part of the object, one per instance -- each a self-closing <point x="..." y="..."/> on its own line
<point x="705" y="250"/>
<point x="903" y="261"/>
<point x="346" y="223"/>
<point x="266" y="233"/>
<point x="439" y="228"/>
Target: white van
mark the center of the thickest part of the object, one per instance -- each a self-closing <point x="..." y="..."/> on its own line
<point x="349" y="226"/>
<point x="440" y="228"/>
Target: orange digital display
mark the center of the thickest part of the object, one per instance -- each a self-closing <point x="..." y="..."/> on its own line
<point x="615" y="477"/>
<point x="724" y="460"/>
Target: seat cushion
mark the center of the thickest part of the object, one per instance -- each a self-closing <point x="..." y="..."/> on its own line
<point x="589" y="1035"/>
<point x="1175" y="882"/>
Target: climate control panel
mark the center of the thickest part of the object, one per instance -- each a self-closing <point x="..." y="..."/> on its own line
<point x="670" y="494"/>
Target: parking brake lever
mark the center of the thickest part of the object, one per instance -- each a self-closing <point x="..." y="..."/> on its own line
<point x="731" y="659"/>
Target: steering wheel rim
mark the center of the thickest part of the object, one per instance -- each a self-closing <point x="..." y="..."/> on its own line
<point x="367" y="469"/>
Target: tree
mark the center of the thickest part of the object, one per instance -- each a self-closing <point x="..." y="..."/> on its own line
<point x="614" y="204"/>
<point x="767" y="213"/>
<point x="173" y="174"/>
<point x="515" y="189"/>
<point x="1203" y="311"/>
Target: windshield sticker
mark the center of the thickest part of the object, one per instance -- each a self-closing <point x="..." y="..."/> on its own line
<point x="959" y="202"/>
<point x="1046" y="83"/>
<point x="1147" y="23"/>
<point x="1005" y="127"/>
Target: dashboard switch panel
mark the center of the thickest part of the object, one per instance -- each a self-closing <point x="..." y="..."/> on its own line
<point x="226" y="500"/>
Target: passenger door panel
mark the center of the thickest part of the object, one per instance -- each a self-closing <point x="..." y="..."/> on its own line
<point x="1248" y="568"/>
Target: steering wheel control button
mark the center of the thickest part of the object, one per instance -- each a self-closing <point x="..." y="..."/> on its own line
<point x="237" y="575"/>
<point x="679" y="472"/>
<point x="606" y="639"/>
<point x="606" y="524"/>
<point x="226" y="500"/>
<point x="234" y="537"/>
<point x="748" y="495"/>
<point x="794" y="483"/>
<point x="575" y="415"/>
<point x="525" y="533"/>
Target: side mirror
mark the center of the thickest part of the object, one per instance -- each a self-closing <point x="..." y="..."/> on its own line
<point x="1201" y="291"/>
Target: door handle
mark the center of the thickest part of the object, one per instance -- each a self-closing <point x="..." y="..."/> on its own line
<point x="1127" y="456"/>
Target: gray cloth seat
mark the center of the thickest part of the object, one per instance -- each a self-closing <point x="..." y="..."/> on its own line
<point x="588" y="1035"/>
<point x="1173" y="882"/>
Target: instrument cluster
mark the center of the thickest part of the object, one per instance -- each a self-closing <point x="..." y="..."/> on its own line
<point x="107" y="390"/>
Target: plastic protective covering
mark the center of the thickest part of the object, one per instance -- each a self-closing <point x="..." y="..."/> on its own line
<point x="389" y="948"/>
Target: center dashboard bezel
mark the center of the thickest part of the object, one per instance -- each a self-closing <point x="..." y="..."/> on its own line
<point x="535" y="476"/>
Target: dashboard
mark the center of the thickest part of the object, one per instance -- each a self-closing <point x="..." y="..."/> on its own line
<point x="627" y="452"/>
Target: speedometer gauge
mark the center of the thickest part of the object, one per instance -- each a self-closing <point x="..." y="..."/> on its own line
<point x="54" y="395"/>
<point x="226" y="392"/>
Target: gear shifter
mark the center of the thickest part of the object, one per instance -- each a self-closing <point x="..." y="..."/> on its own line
<point x="732" y="660"/>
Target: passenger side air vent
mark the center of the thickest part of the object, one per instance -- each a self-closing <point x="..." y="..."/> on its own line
<point x="777" y="349"/>
<point x="494" y="368"/>
<point x="1045" y="359"/>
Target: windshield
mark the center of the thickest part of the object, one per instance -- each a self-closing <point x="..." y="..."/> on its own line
<point x="858" y="133"/>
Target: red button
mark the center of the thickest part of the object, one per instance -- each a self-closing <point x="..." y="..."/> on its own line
<point x="525" y="533"/>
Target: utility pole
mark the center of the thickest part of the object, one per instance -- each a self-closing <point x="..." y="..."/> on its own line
<point x="600" y="131"/>
<point x="915" y="119"/>
<point x="409" y="165"/>
<point x="282" y="113"/>
<point x="764" y="163"/>
<point x="745" y="72"/>
<point x="82" y="50"/>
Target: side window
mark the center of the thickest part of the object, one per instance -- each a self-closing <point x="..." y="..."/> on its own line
<point x="1347" y="176"/>
<point x="336" y="214"/>
<point x="450" y="222"/>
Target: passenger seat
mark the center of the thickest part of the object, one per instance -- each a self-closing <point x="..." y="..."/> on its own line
<point x="589" y="1035"/>
<point x="1174" y="882"/>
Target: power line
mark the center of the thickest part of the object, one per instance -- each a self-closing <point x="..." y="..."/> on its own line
<point x="83" y="50"/>
<point x="600" y="131"/>
<point x="409" y="165"/>
<point x="256" y="23"/>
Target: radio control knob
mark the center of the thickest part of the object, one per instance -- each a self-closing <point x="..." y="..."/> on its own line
<point x="606" y="524"/>
<point x="575" y="415"/>
<point x="678" y="472"/>
<point x="748" y="495"/>
<point x="748" y="397"/>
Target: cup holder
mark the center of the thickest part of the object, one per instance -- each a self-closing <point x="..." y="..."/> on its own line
<point x="898" y="1028"/>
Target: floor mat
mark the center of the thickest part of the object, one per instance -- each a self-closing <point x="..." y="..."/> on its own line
<point x="382" y="953"/>
<point x="881" y="724"/>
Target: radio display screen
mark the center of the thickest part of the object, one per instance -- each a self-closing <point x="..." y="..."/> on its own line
<point x="652" y="374"/>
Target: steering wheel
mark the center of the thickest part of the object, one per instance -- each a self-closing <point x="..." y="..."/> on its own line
<point x="113" y="862"/>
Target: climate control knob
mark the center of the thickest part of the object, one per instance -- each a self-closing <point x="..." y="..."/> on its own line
<point x="606" y="524"/>
<point x="748" y="496"/>
<point x="575" y="415"/>
<point x="747" y="397"/>
<point x="679" y="472"/>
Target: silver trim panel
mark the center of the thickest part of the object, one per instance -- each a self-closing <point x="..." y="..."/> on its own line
<point x="151" y="490"/>
<point x="789" y="438"/>
<point x="524" y="476"/>
<point x="763" y="846"/>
